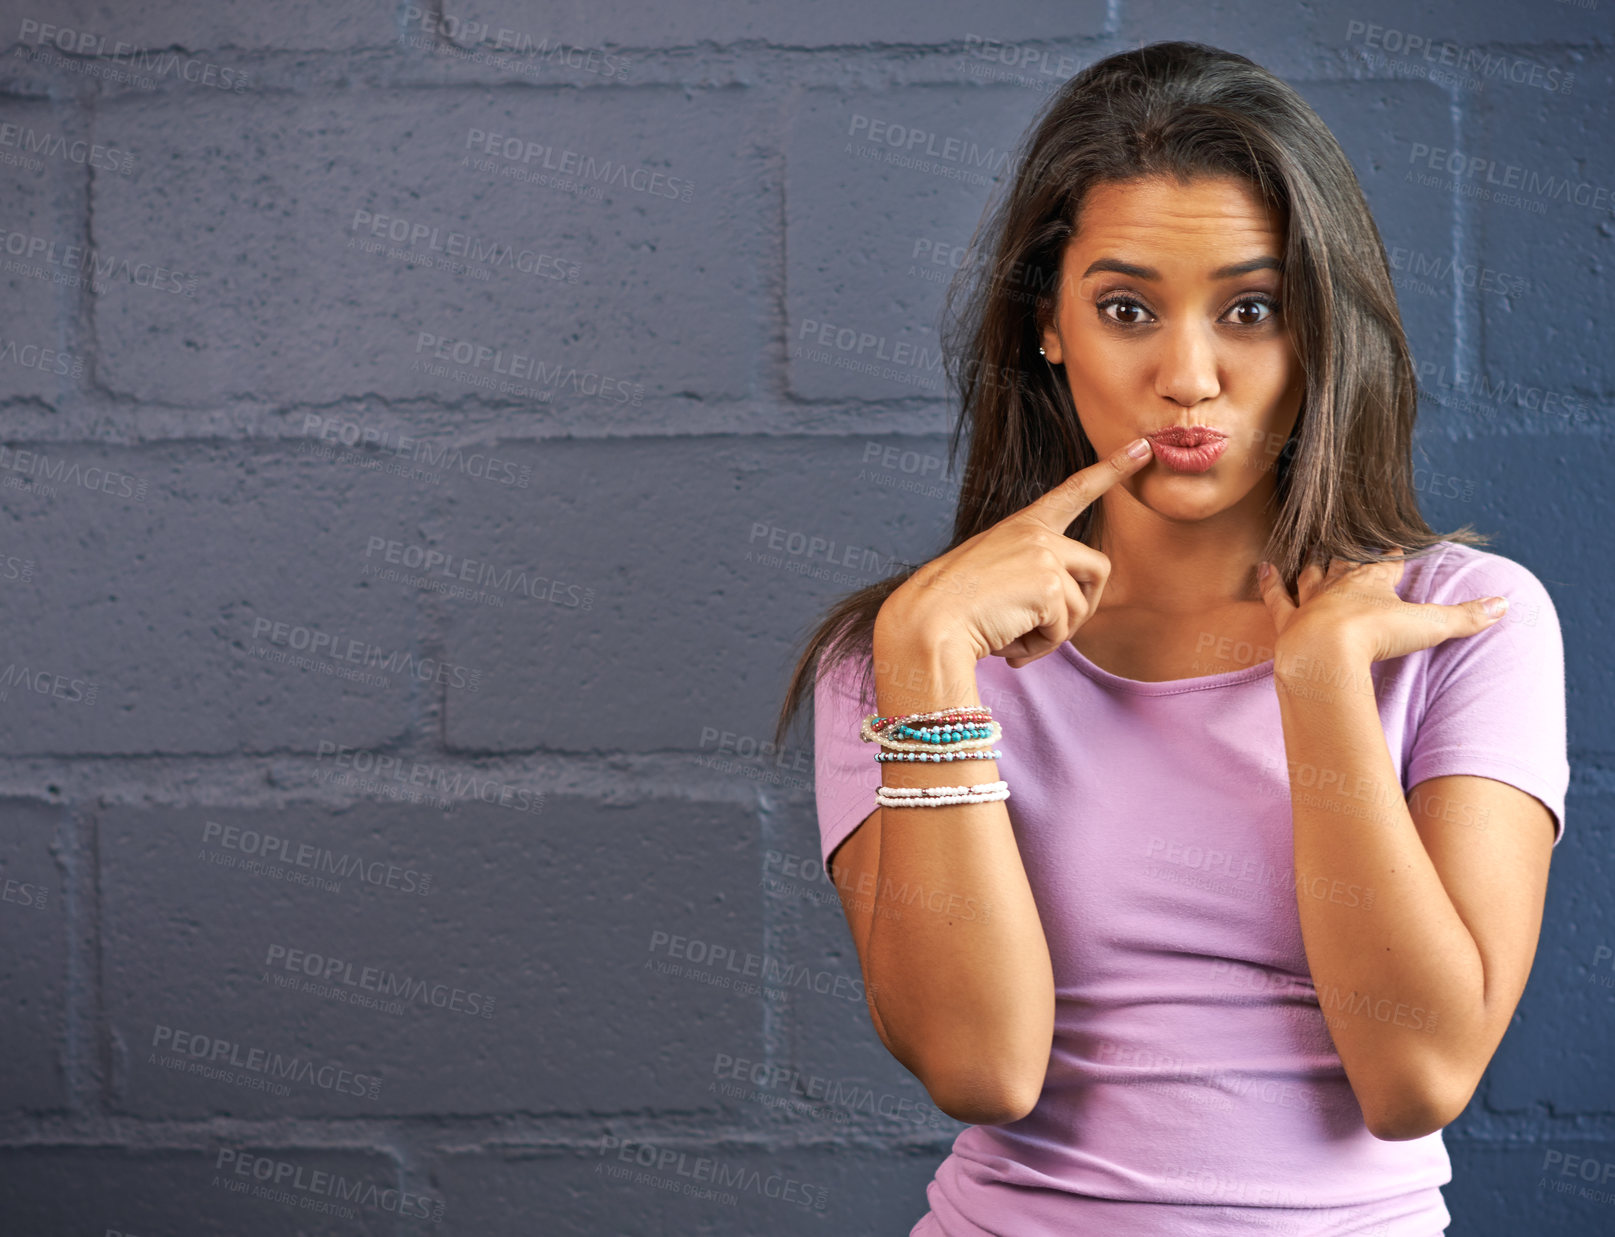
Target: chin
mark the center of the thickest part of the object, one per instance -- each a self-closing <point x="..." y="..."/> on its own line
<point x="1185" y="508"/>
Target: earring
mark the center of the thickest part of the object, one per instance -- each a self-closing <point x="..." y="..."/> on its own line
<point x="1040" y="351"/>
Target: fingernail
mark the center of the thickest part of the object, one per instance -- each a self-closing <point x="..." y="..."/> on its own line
<point x="1495" y="606"/>
<point x="1138" y="448"/>
<point x="1262" y="569"/>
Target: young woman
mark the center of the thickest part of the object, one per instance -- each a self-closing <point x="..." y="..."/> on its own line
<point x="1282" y="785"/>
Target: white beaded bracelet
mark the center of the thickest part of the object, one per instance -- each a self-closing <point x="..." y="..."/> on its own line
<point x="944" y="801"/>
<point x="940" y="796"/>
<point x="918" y="791"/>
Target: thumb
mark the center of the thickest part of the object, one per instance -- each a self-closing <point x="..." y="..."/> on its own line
<point x="1274" y="595"/>
<point x="1470" y="617"/>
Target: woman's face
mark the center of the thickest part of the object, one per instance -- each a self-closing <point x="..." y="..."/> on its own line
<point x="1169" y="315"/>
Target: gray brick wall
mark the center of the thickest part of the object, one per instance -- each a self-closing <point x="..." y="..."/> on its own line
<point x="304" y="303"/>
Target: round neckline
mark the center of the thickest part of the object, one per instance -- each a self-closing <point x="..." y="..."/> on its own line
<point x="1412" y="586"/>
<point x="1163" y="687"/>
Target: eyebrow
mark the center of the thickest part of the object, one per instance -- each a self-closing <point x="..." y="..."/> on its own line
<point x="1149" y="272"/>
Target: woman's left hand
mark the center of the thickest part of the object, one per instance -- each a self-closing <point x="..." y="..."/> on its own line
<point x="1355" y="607"/>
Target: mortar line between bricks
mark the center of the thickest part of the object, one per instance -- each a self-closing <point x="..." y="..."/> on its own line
<point x="687" y="67"/>
<point x="1459" y="235"/>
<point x="75" y="306"/>
<point x="776" y="1023"/>
<point x="791" y="102"/>
<point x="83" y="1066"/>
<point x="100" y="1027"/>
<point x="493" y="1133"/>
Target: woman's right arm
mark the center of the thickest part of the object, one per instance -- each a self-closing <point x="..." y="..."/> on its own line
<point x="965" y="1000"/>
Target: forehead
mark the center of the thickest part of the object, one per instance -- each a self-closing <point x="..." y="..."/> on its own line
<point x="1206" y="216"/>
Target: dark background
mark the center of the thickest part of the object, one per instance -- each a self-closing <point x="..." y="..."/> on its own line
<point x="238" y="414"/>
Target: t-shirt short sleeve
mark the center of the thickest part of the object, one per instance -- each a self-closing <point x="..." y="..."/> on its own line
<point x="846" y="774"/>
<point x="1495" y="701"/>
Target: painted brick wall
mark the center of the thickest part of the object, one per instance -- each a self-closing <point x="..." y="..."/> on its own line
<point x="399" y="407"/>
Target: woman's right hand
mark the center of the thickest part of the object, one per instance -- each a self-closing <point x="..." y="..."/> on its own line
<point x="1021" y="588"/>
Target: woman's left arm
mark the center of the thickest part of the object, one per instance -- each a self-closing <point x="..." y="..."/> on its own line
<point x="1420" y="917"/>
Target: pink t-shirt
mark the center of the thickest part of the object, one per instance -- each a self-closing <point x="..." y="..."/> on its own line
<point x="1193" y="1087"/>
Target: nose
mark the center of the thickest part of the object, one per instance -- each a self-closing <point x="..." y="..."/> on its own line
<point x="1187" y="370"/>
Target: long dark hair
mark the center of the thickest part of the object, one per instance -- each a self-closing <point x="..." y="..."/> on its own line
<point x="1345" y="476"/>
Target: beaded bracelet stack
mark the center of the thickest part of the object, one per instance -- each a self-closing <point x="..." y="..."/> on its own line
<point x="953" y="734"/>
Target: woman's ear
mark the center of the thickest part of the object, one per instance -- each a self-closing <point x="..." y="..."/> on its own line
<point x="1049" y="339"/>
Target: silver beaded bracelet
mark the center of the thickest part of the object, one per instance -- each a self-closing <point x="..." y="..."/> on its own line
<point x="939" y="756"/>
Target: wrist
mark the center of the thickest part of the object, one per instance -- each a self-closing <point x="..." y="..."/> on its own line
<point x="908" y="623"/>
<point x="1311" y="660"/>
<point x="920" y="667"/>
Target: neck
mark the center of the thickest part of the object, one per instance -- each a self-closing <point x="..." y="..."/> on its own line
<point x="1181" y="566"/>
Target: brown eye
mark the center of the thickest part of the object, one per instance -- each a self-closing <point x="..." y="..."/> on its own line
<point x="1128" y="312"/>
<point x="1254" y="311"/>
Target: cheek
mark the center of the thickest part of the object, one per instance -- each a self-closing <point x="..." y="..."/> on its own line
<point x="1099" y="363"/>
<point x="1270" y="378"/>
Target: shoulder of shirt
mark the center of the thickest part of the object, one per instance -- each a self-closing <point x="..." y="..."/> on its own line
<point x="1453" y="572"/>
<point x="843" y="679"/>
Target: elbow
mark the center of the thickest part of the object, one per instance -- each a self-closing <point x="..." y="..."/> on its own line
<point x="977" y="1064"/>
<point x="1403" y="1124"/>
<point x="1415" y="1112"/>
<point x="985" y="1100"/>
